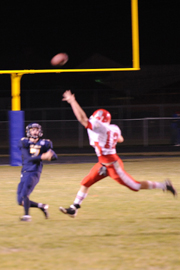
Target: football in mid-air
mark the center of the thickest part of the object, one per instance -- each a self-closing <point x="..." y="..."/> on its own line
<point x="59" y="59"/>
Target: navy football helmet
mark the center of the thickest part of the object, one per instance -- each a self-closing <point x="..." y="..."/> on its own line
<point x="34" y="125"/>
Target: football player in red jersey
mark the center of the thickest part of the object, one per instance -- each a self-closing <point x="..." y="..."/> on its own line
<point x="104" y="136"/>
<point x="34" y="150"/>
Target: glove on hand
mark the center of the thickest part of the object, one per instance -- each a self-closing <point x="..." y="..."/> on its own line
<point x="103" y="171"/>
<point x="54" y="156"/>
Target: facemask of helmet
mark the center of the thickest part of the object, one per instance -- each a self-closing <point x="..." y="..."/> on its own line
<point x="34" y="125"/>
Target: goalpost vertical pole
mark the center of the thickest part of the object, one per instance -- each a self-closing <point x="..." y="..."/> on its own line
<point x="16" y="91"/>
<point x="16" y="120"/>
<point x="135" y="34"/>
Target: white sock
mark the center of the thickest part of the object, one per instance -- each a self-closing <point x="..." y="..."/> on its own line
<point x="80" y="197"/>
<point x="155" y="185"/>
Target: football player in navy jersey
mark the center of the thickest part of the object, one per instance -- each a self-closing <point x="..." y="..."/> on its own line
<point x="34" y="150"/>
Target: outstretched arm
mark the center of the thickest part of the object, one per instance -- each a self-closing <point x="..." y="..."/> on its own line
<point x="78" y="111"/>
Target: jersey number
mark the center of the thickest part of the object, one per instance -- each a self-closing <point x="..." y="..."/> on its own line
<point x="34" y="151"/>
<point x="115" y="137"/>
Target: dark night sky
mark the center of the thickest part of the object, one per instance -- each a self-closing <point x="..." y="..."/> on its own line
<point x="31" y="33"/>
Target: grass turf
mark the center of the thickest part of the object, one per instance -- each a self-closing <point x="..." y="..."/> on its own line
<point x="115" y="229"/>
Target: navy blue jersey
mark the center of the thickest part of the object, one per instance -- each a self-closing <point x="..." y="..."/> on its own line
<point x="31" y="153"/>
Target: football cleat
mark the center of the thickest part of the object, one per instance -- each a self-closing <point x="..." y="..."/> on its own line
<point x="25" y="218"/>
<point x="71" y="211"/>
<point x="169" y="187"/>
<point x="44" y="208"/>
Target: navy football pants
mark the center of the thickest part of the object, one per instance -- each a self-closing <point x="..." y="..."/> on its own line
<point x="27" y="184"/>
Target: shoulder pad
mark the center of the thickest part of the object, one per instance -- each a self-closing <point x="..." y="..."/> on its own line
<point x="46" y="142"/>
<point x="23" y="142"/>
<point x="24" y="138"/>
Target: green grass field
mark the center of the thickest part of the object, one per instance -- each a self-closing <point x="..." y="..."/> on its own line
<point x="115" y="228"/>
